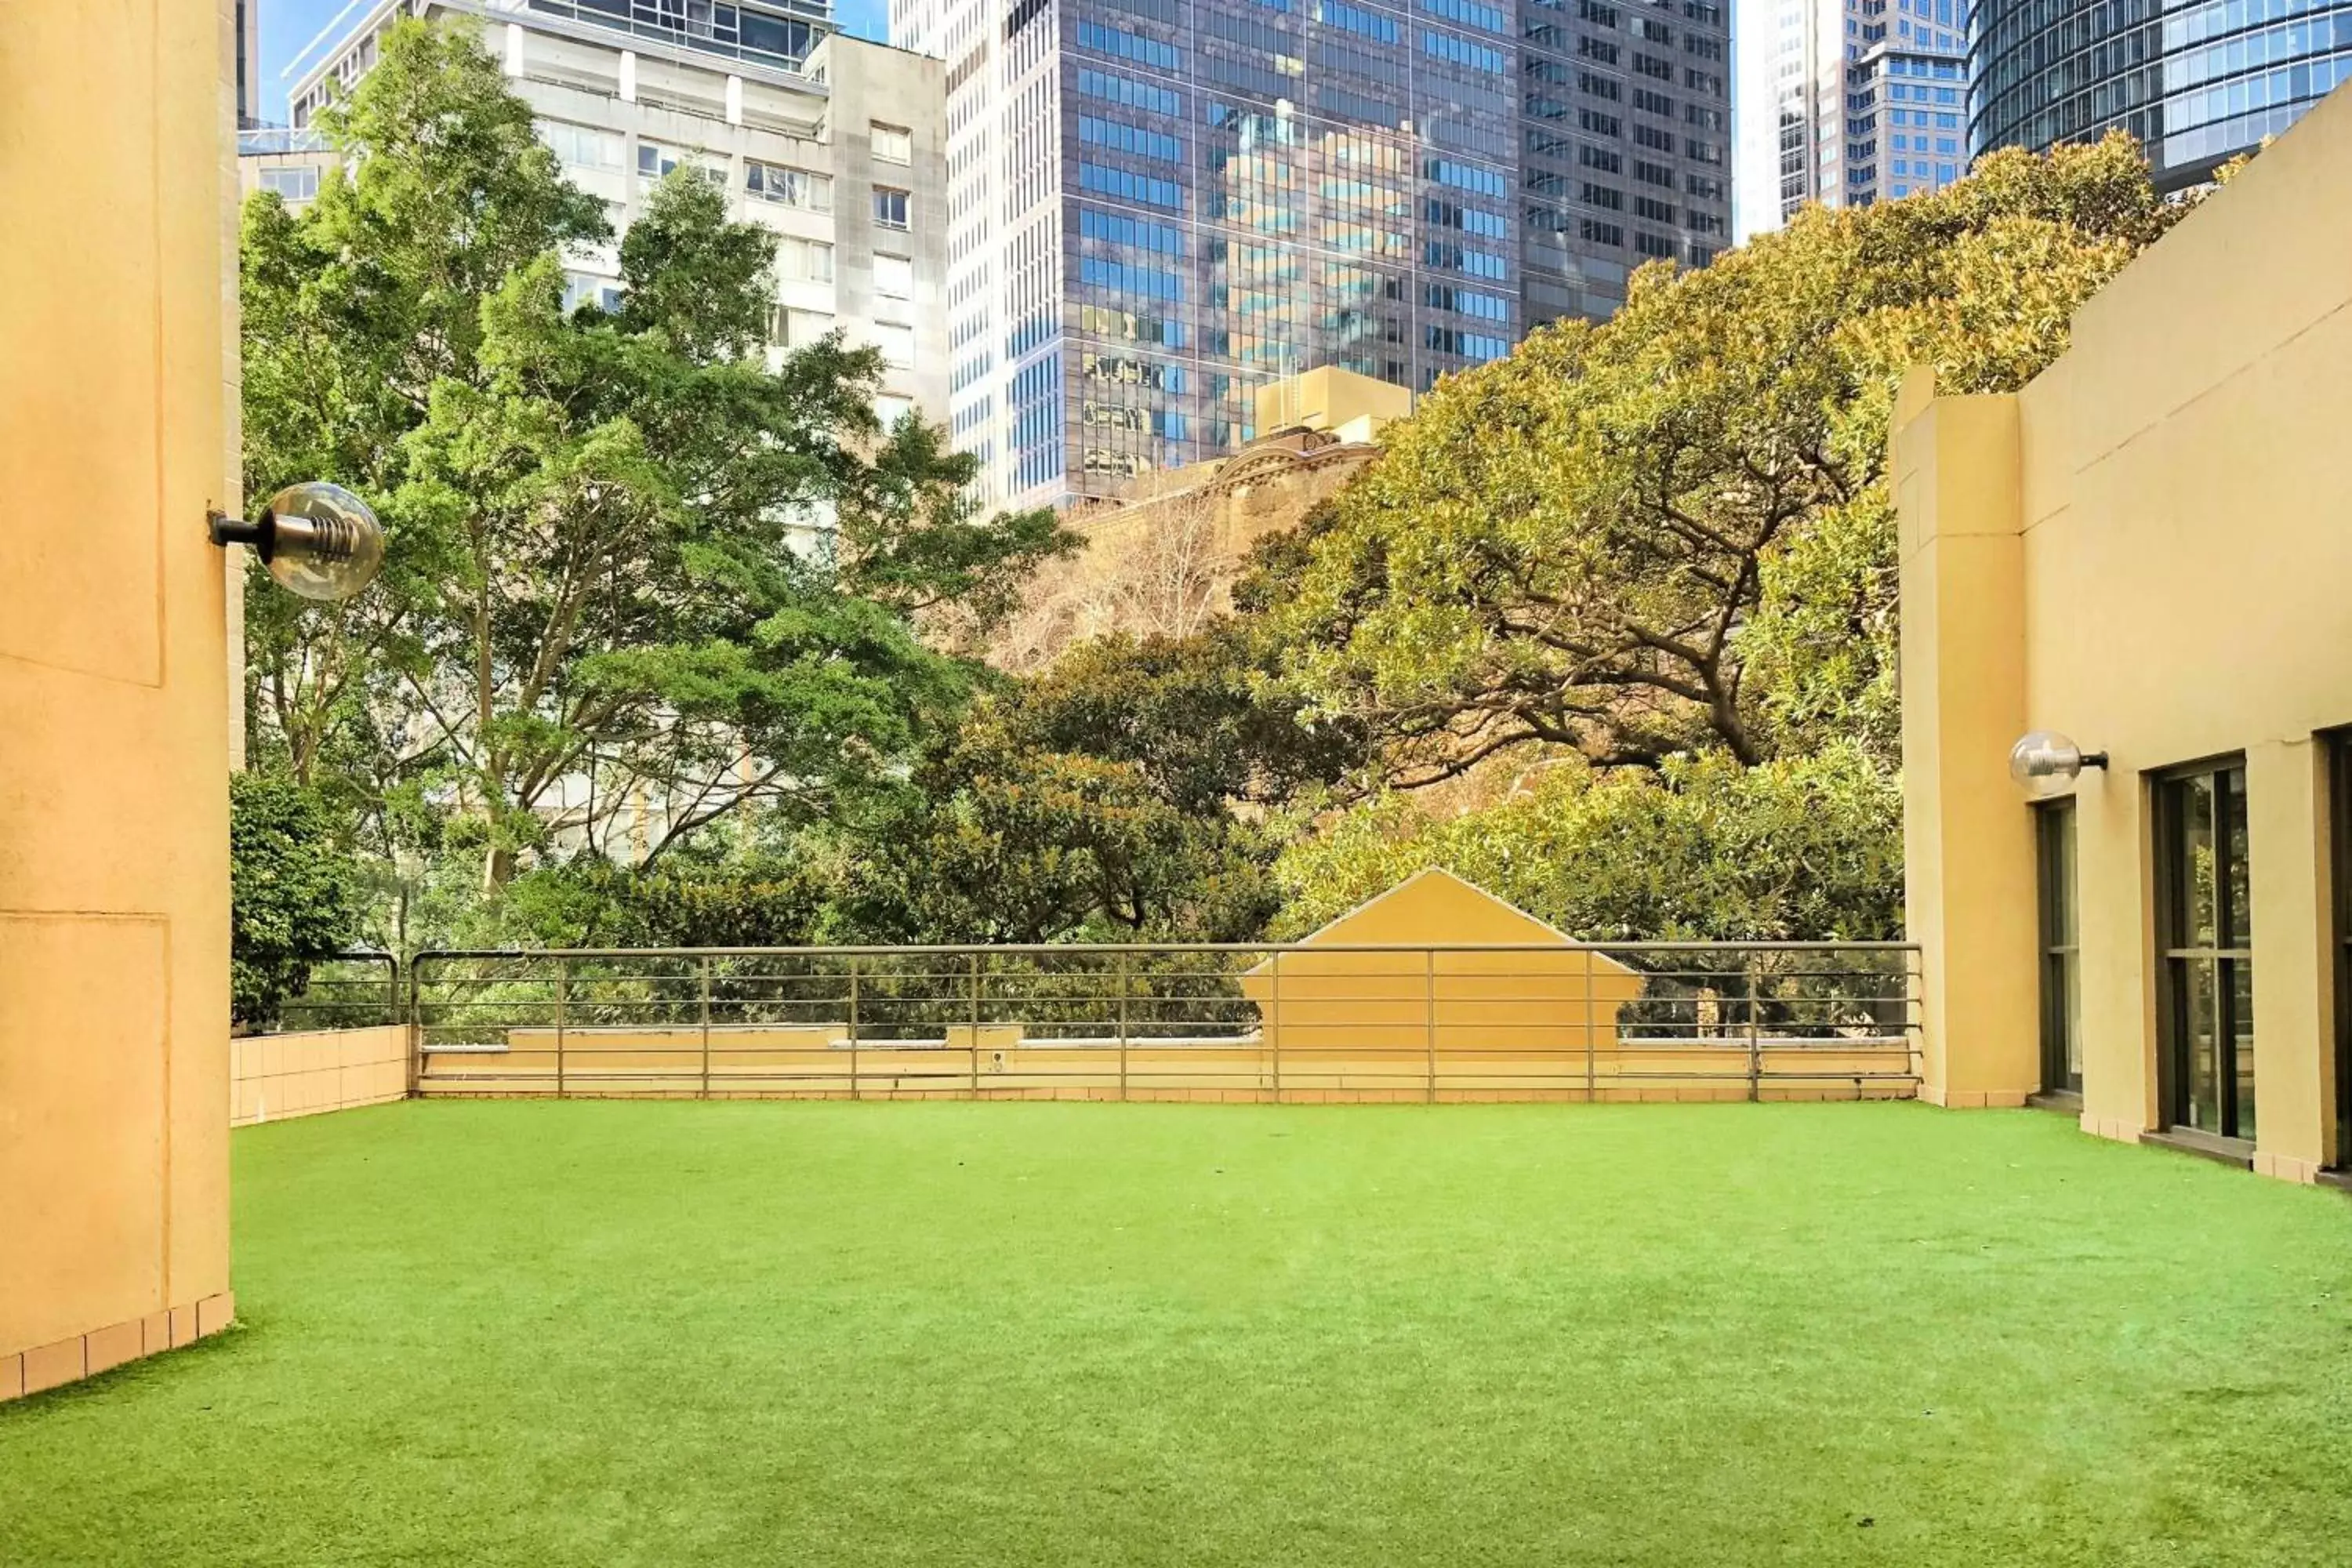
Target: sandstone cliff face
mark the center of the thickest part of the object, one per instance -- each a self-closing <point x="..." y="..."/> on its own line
<point x="1163" y="557"/>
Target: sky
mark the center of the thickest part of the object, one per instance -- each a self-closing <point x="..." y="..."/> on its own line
<point x="288" y="24"/>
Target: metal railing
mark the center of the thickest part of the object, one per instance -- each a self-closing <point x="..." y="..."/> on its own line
<point x="1268" y="1021"/>
<point x="352" y="990"/>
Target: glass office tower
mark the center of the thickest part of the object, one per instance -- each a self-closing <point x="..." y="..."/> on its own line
<point x="1847" y="102"/>
<point x="2198" y="81"/>
<point x="1156" y="207"/>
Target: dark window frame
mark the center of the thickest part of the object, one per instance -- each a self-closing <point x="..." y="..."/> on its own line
<point x="2178" y="957"/>
<point x="2339" y="863"/>
<point x="2057" y="849"/>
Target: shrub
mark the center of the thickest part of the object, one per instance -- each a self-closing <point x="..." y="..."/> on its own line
<point x="294" y="893"/>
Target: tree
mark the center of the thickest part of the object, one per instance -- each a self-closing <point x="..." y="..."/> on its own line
<point x="598" y="582"/>
<point x="1121" y="795"/>
<point x="351" y="314"/>
<point x="1707" y="849"/>
<point x="293" y="892"/>
<point x="1669" y="533"/>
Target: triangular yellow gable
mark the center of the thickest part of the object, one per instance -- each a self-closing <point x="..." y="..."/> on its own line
<point x="1434" y="907"/>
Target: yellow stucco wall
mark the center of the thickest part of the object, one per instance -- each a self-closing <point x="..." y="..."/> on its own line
<point x="313" y="1071"/>
<point x="116" y="400"/>
<point x="1330" y="398"/>
<point x="1405" y="1003"/>
<point x="2145" y="549"/>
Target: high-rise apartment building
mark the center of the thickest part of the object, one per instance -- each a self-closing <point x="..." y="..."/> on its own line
<point x="832" y="141"/>
<point x="1847" y="102"/>
<point x="1156" y="207"/>
<point x="2198" y="81"/>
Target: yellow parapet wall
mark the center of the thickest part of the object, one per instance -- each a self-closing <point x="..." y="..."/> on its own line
<point x="816" y="1062"/>
<point x="1440" y="1003"/>
<point x="273" y="1077"/>
<point x="1435" y="991"/>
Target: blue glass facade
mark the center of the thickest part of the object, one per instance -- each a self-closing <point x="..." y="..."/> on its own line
<point x="1174" y="202"/>
<point x="2198" y="81"/>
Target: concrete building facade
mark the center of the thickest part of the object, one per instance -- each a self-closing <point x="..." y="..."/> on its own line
<point x="2144" y="551"/>
<point x="1846" y="102"/>
<point x="2197" y="82"/>
<point x="832" y="141"/>
<point x="1155" y="207"/>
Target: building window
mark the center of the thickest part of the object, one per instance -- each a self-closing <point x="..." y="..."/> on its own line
<point x="788" y="187"/>
<point x="892" y="144"/>
<point x="891" y="208"/>
<point x="292" y="182"/>
<point x="581" y="146"/>
<point x="802" y="260"/>
<point x="2062" y="962"/>
<point x="655" y="161"/>
<point x="894" y="277"/>
<point x="796" y="328"/>
<point x="2206" y="930"/>
<point x="897" y="344"/>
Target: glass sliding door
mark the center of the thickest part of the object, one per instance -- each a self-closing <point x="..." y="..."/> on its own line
<point x="2062" y="969"/>
<point x="2206" y="944"/>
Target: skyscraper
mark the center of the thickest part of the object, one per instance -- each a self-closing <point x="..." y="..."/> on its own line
<point x="1847" y="102"/>
<point x="2198" y="81"/>
<point x="1155" y="206"/>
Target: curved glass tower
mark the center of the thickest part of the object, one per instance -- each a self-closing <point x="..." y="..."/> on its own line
<point x="2198" y="81"/>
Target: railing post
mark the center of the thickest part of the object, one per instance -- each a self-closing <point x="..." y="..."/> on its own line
<point x="852" y="1026"/>
<point x="1429" y="999"/>
<point x="703" y="976"/>
<point x="1755" y="1039"/>
<point x="563" y="1000"/>
<point x="1273" y="1024"/>
<point x="1591" y="1044"/>
<point x="415" y="1035"/>
<point x="1122" y="1023"/>
<point x="975" y="1024"/>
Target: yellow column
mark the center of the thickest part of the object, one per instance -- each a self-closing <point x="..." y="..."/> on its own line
<point x="2295" y="973"/>
<point x="117" y="402"/>
<point x="1967" y="836"/>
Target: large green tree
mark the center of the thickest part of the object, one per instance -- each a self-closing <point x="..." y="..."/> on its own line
<point x="1123" y="793"/>
<point x="601" y="590"/>
<point x="1669" y="532"/>
<point x="1652" y="559"/>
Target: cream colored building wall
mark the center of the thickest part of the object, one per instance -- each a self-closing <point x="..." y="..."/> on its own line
<point x="2180" y="513"/>
<point x="1330" y="398"/>
<point x="117" y="390"/>
<point x="313" y="1071"/>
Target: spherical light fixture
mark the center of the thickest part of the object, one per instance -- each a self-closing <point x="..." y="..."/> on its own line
<point x="2046" y="763"/>
<point x="317" y="540"/>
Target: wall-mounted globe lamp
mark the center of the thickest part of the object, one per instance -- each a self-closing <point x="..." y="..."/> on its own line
<point x="2046" y="763"/>
<point x="317" y="540"/>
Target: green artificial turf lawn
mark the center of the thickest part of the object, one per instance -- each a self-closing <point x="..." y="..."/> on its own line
<point x="1047" y="1335"/>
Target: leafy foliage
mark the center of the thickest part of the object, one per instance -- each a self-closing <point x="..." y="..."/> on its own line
<point x="294" y="892"/>
<point x="1707" y="850"/>
<point x="1669" y="533"/>
<point x="1106" y="798"/>
<point x="600" y="582"/>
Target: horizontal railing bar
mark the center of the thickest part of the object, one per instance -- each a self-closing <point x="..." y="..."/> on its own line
<point x="1604" y="947"/>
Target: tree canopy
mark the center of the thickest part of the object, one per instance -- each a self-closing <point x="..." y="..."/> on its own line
<point x="631" y="554"/>
<point x="1669" y="532"/>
